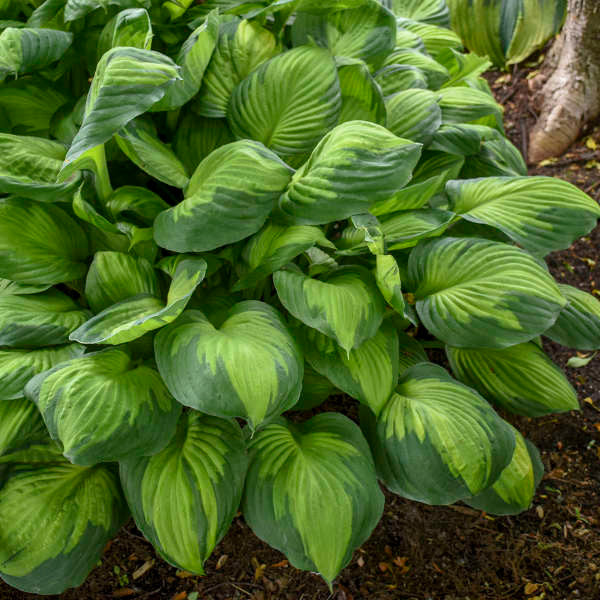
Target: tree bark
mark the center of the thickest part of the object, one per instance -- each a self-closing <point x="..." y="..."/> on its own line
<point x="567" y="91"/>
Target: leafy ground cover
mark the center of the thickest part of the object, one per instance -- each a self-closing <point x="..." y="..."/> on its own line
<point x="446" y="553"/>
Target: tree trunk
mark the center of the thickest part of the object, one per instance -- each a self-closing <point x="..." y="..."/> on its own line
<point x="567" y="91"/>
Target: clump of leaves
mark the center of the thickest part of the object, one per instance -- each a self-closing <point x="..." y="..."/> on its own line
<point x="214" y="214"/>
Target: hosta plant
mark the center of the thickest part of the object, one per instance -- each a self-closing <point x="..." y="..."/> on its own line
<point x="214" y="217"/>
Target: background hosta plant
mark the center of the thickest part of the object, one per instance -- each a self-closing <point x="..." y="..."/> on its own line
<point x="216" y="216"/>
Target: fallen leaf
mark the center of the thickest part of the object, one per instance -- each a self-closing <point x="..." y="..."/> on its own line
<point x="540" y="512"/>
<point x="180" y="596"/>
<point x="123" y="593"/>
<point x="591" y="143"/>
<point x="383" y="567"/>
<point x="184" y="574"/>
<point x="360" y="561"/>
<point x="531" y="588"/>
<point x="222" y="560"/>
<point x="280" y="564"/>
<point x="143" y="569"/>
<point x="576" y="362"/>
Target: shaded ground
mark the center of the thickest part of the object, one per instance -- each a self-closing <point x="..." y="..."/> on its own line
<point x="551" y="552"/>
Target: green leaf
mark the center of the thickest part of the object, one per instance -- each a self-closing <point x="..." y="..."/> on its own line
<point x="513" y="491"/>
<point x="229" y="197"/>
<point x="520" y="379"/>
<point x="578" y="324"/>
<point x="76" y="9"/>
<point x="140" y="143"/>
<point x="387" y="277"/>
<point x="128" y="28"/>
<point x="24" y="50"/>
<point x="433" y="421"/>
<point x="55" y="521"/>
<point x="84" y="201"/>
<point x="428" y="11"/>
<point x="38" y="320"/>
<point x="29" y="167"/>
<point x="368" y="373"/>
<point x="184" y="498"/>
<point x="355" y="165"/>
<point x="542" y="214"/>
<point x="135" y="203"/>
<point x="17" y="367"/>
<point x="127" y="82"/>
<point x="414" y="115"/>
<point x="481" y="294"/>
<point x="437" y="40"/>
<point x="115" y="276"/>
<point x="320" y="467"/>
<point x="394" y="79"/>
<point x="289" y="102"/>
<point x="576" y="362"/>
<point x="367" y="31"/>
<point x="242" y="47"/>
<point x="411" y="352"/>
<point x="469" y="105"/>
<point x="362" y="99"/>
<point x="20" y="423"/>
<point x="344" y="304"/>
<point x="193" y="58"/>
<point x="39" y="243"/>
<point x="12" y="288"/>
<point x="273" y="247"/>
<point x="462" y="67"/>
<point x="315" y="390"/>
<point x="405" y="228"/>
<point x="104" y="407"/>
<point x="213" y="369"/>
<point x="435" y="73"/>
<point x="131" y="318"/>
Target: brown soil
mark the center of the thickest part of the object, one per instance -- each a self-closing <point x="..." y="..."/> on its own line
<point x="551" y="552"/>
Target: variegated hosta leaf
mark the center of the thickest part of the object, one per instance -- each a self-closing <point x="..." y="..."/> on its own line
<point x="345" y="304"/>
<point x="29" y="167"/>
<point x="408" y="39"/>
<point x="193" y="58"/>
<point x="513" y="491"/>
<point x="311" y="491"/>
<point x="542" y="214"/>
<point x="389" y="282"/>
<point x="367" y="31"/>
<point x="213" y="369"/>
<point x="414" y="115"/>
<point x="435" y="73"/>
<point x="135" y="204"/>
<point x="355" y="165"/>
<point x="139" y="142"/>
<point x="18" y="366"/>
<point x="184" y="498"/>
<point x="12" y="288"/>
<point x="498" y="157"/>
<point x="20" y="423"/>
<point x="405" y="228"/>
<point x="131" y="318"/>
<point x="40" y="243"/>
<point x="428" y="11"/>
<point x="289" y="102"/>
<point x="55" y="521"/>
<point x="127" y="82"/>
<point x="437" y="40"/>
<point x="459" y="139"/>
<point x="578" y="324"/>
<point x="362" y="99"/>
<point x="394" y="79"/>
<point x="436" y="440"/>
<point x="274" y="246"/>
<point x="520" y="379"/>
<point x="474" y="293"/>
<point x="242" y="46"/>
<point x="115" y="276"/>
<point x="411" y="352"/>
<point x="38" y="320"/>
<point x="469" y="105"/>
<point x="315" y="389"/>
<point x="368" y="373"/>
<point x="76" y="9"/>
<point x="130" y="27"/>
<point x="23" y="50"/>
<point x="229" y="197"/>
<point x="103" y="407"/>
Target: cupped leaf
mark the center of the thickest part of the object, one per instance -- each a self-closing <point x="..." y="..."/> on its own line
<point x="405" y="228"/>
<point x="289" y="102"/>
<point x="55" y="521"/>
<point x="24" y="50"/>
<point x="437" y="441"/>
<point x="428" y="11"/>
<point x="368" y="373"/>
<point x="362" y="99"/>
<point x="127" y="82"/>
<point x="542" y="214"/>
<point x="228" y="199"/>
<point x="578" y="324"/>
<point x="38" y="320"/>
<point x="273" y="247"/>
<point x="29" y="167"/>
<point x="437" y="40"/>
<point x="40" y="243"/>
<point x="140" y="143"/>
<point x="320" y="467"/>
<point x="482" y="294"/>
<point x="135" y="204"/>
<point x="394" y="79"/>
<point x="213" y="369"/>
<point x="184" y="498"/>
<point x="520" y="379"/>
<point x="115" y="276"/>
<point x="469" y="105"/>
<point x="344" y="304"/>
<point x="435" y="73"/>
<point x="104" y="407"/>
<point x="414" y="115"/>
<point x="18" y="366"/>
<point x="389" y="282"/>
<point x="242" y="46"/>
<point x="129" y="28"/>
<point x="12" y="288"/>
<point x="367" y="31"/>
<point x="355" y="165"/>
<point x="513" y="491"/>
<point x="131" y="318"/>
<point x="20" y="424"/>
